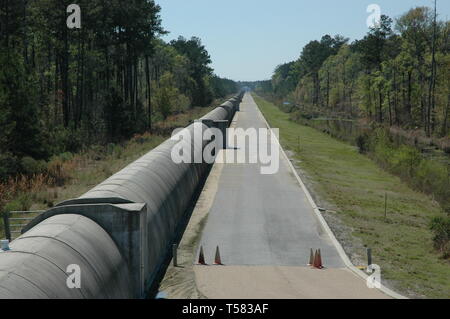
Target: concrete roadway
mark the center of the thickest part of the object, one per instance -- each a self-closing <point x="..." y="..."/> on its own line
<point x="265" y="228"/>
<point x="263" y="219"/>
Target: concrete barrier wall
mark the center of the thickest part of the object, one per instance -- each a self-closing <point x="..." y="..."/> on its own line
<point x="165" y="190"/>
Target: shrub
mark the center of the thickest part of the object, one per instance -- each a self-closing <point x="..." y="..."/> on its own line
<point x="30" y="166"/>
<point x="163" y="102"/>
<point x="66" y="156"/>
<point x="441" y="229"/>
<point x="382" y="153"/>
<point x="181" y="103"/>
<point x="432" y="175"/>
<point x="405" y="161"/>
<point x="379" y="136"/>
<point x="362" y="141"/>
<point x="61" y="139"/>
<point x="22" y="202"/>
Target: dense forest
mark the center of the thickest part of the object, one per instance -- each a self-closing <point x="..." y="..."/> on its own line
<point x="64" y="89"/>
<point x="398" y="74"/>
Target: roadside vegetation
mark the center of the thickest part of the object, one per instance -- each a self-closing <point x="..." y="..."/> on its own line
<point x="355" y="187"/>
<point x="69" y="175"/>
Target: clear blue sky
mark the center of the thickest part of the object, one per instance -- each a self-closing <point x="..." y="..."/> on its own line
<point x="247" y="39"/>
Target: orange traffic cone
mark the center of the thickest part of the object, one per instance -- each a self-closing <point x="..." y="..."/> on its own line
<point x="311" y="258"/>
<point x="317" y="260"/>
<point x="314" y="264"/>
<point x="201" y="257"/>
<point x="320" y="260"/>
<point x="217" y="260"/>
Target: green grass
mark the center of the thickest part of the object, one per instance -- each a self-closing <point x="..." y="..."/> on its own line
<point x="401" y="244"/>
